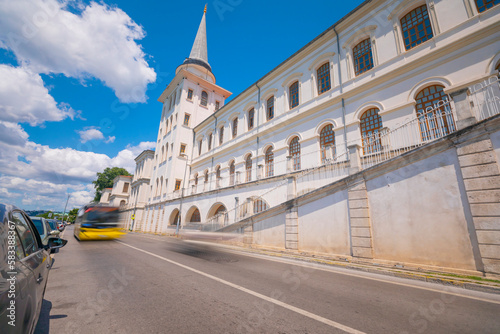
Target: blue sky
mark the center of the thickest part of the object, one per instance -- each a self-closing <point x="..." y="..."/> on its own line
<point x="80" y="79"/>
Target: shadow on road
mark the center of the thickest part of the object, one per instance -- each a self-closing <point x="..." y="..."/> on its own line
<point x="43" y="325"/>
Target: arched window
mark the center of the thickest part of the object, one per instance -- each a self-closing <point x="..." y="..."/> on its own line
<point x="221" y="135"/>
<point x="362" y="54"/>
<point x="195" y="217"/>
<point x="251" y="116"/>
<point x="483" y="5"/>
<point x="166" y="151"/>
<point x="294" y="149"/>
<point x="438" y="121"/>
<point x="196" y="179"/>
<point x="294" y="95"/>
<point x="206" y="176"/>
<point x="157" y="187"/>
<point x="176" y="218"/>
<point x="204" y="98"/>
<point x="270" y="108"/>
<point x="259" y="206"/>
<point x="248" y="168"/>
<point x="416" y="27"/>
<point x="327" y="140"/>
<point x="162" y="154"/>
<point x="370" y="124"/>
<point x="235" y="127"/>
<point x="323" y="74"/>
<point x="269" y="162"/>
<point x="161" y="185"/>
<point x="232" y="170"/>
<point x="220" y="210"/>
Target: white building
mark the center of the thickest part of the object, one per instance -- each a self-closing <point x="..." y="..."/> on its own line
<point x="119" y="194"/>
<point x="376" y="71"/>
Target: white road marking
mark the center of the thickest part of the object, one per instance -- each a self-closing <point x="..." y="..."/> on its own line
<point x="341" y="271"/>
<point x="256" y="294"/>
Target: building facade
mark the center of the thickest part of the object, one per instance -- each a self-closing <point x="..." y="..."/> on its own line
<point x="330" y="110"/>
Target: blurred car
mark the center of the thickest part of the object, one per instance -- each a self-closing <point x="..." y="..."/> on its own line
<point x="60" y="225"/>
<point x="44" y="229"/>
<point x="53" y="225"/>
<point x="24" y="267"/>
<point x="98" y="222"/>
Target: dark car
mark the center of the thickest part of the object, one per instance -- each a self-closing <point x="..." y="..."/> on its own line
<point x="24" y="270"/>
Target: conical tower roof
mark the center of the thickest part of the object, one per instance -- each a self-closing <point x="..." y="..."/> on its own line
<point x="199" y="54"/>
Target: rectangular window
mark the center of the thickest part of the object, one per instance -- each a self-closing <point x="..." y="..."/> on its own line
<point x="190" y="94"/>
<point x="363" y="59"/>
<point x="199" y="146"/>
<point x="183" y="149"/>
<point x="235" y="127"/>
<point x="125" y="187"/>
<point x="217" y="105"/>
<point x="186" y="119"/>
<point x="294" y="94"/>
<point x="210" y="139"/>
<point x="324" y="78"/>
<point x="251" y="115"/>
<point x="270" y="108"/>
<point x="177" y="185"/>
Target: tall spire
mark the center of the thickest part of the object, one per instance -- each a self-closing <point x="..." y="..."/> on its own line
<point x="199" y="54"/>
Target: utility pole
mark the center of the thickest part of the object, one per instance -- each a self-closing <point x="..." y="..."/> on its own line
<point x="65" y="208"/>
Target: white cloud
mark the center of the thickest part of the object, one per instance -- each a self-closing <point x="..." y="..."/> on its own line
<point x="111" y="139"/>
<point x="90" y="134"/>
<point x="43" y="176"/>
<point x="24" y="98"/>
<point x="98" y="42"/>
<point x="12" y="134"/>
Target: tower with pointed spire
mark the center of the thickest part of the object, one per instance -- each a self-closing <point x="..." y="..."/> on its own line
<point x="191" y="97"/>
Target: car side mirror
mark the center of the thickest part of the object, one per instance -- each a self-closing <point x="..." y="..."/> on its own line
<point x="55" y="243"/>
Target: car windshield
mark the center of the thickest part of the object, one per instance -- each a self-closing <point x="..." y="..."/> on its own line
<point x="39" y="225"/>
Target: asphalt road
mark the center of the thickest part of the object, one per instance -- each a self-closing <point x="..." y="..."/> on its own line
<point x="149" y="284"/>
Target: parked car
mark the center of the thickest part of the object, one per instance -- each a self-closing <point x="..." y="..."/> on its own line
<point x="98" y="222"/>
<point x="60" y="225"/>
<point x="24" y="267"/>
<point x="53" y="225"/>
<point x="44" y="229"/>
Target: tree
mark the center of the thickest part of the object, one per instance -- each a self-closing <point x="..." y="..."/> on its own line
<point x="105" y="180"/>
<point x="72" y="214"/>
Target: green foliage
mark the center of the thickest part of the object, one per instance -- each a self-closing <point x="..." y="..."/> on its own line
<point x="72" y="214"/>
<point x="105" y="180"/>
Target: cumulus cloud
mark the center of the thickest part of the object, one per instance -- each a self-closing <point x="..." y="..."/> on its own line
<point x="24" y="98"/>
<point x="12" y="134"/>
<point x="98" y="42"/>
<point x="90" y="134"/>
<point x="42" y="175"/>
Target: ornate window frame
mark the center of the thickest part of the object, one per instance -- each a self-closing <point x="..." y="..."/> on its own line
<point x="291" y="79"/>
<point x="404" y="8"/>
<point x="315" y="65"/>
<point x="360" y="35"/>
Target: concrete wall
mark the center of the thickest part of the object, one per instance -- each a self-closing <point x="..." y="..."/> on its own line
<point x="423" y="209"/>
<point x="417" y="213"/>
